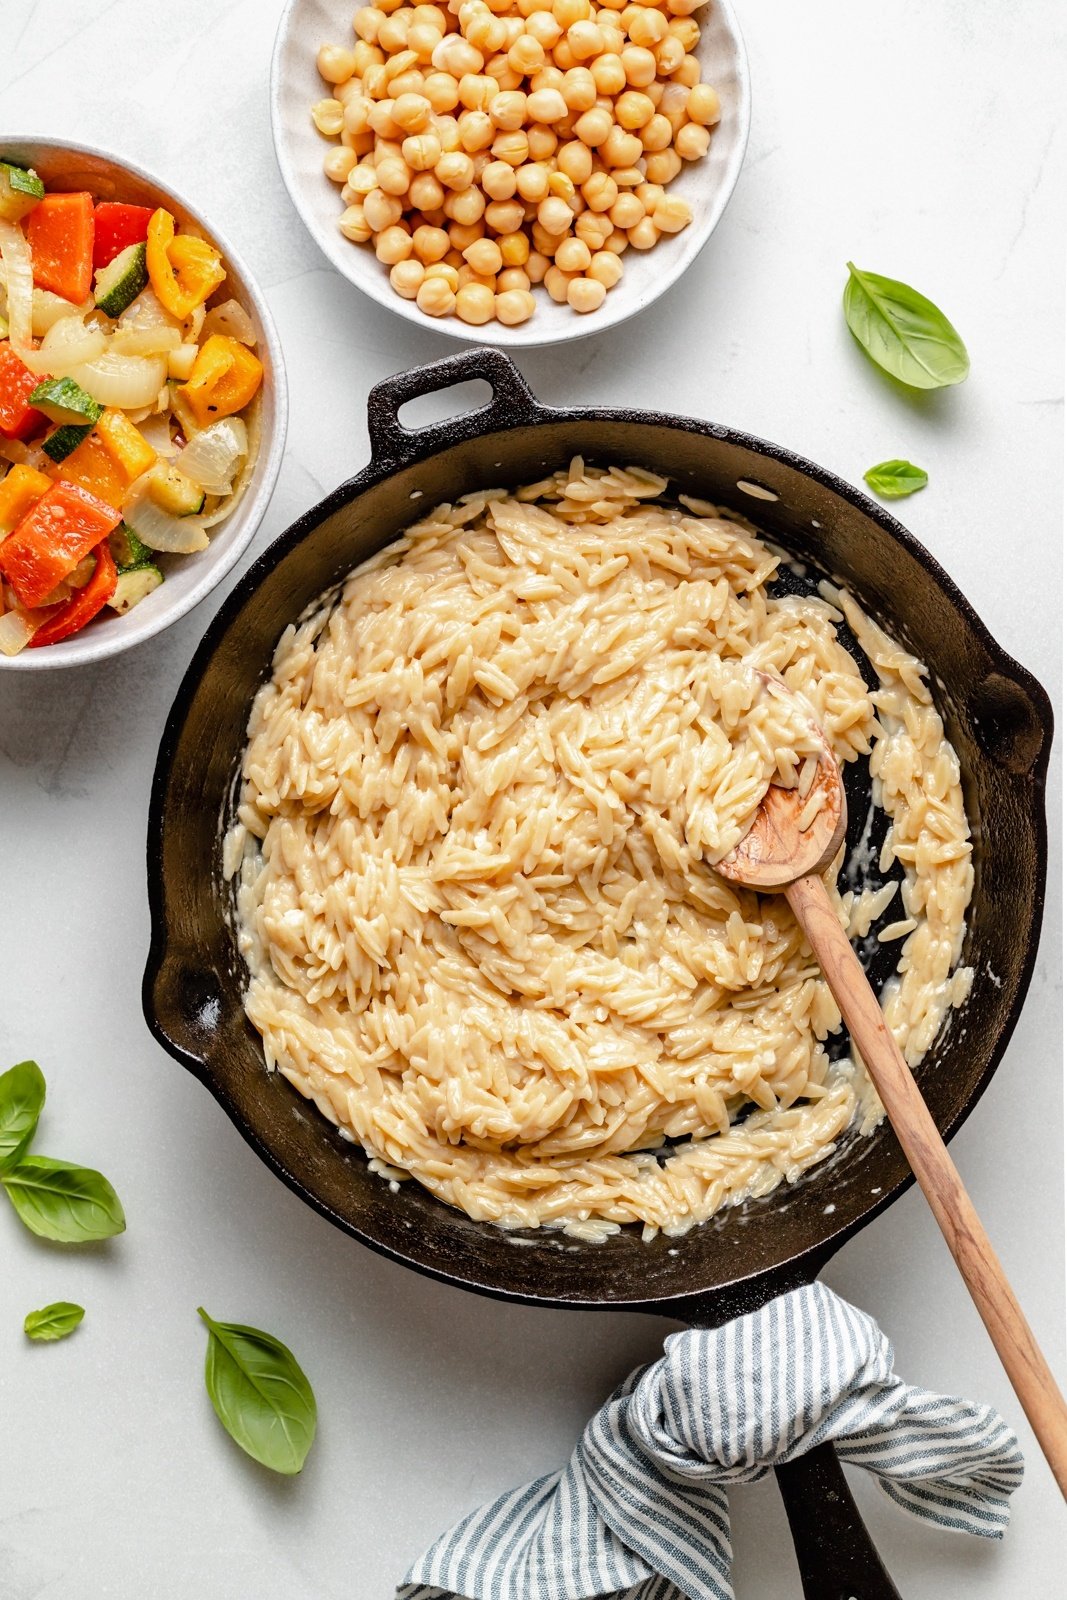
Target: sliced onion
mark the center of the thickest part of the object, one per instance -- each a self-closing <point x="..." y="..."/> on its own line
<point x="147" y="312"/>
<point x="210" y="459"/>
<point x="231" y="319"/>
<point x="177" y="536"/>
<point x="17" y="267"/>
<point x="29" y="454"/>
<point x="17" y="628"/>
<point x="49" y="308"/>
<point x="146" y="340"/>
<point x="194" y="324"/>
<point x="67" y="345"/>
<point x="155" y="430"/>
<point x="123" y="381"/>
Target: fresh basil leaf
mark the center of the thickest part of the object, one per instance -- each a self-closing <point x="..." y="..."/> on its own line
<point x="894" y="479"/>
<point x="73" y="1205"/>
<point x="260" y="1394"/>
<point x="54" y="1321"/>
<point x="904" y="332"/>
<point x="21" y="1103"/>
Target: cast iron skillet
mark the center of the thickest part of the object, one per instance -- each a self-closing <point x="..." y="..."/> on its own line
<point x="998" y="717"/>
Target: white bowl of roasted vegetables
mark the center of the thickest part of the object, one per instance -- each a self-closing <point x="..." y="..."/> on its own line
<point x="142" y="406"/>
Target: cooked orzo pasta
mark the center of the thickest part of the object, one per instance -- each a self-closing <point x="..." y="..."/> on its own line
<point x="482" y="797"/>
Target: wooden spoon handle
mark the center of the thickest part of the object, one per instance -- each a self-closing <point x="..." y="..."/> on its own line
<point x="935" y="1172"/>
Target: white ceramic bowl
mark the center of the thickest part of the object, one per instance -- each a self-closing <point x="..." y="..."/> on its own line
<point x="188" y="578"/>
<point x="706" y="184"/>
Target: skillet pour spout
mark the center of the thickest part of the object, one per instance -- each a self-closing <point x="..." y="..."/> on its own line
<point x="997" y="716"/>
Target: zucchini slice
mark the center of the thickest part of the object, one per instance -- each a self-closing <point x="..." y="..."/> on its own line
<point x="20" y="190"/>
<point x="121" y="281"/>
<point x="173" y="492"/>
<point x="127" y="549"/>
<point x="132" y="587"/>
<point x="60" y="444"/>
<point x="64" y="401"/>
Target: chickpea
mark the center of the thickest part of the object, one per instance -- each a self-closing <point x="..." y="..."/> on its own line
<point x="650" y="195"/>
<point x="454" y="55"/>
<point x="541" y="143"/>
<point x="573" y="255"/>
<point x="638" y="64"/>
<point x="435" y="298"/>
<point x="484" y="257"/>
<point x="669" y="55"/>
<point x="460" y="235"/>
<point x="575" y="160"/>
<point x="329" y="117"/>
<point x="467" y="275"/>
<point x="362" y="179"/>
<point x="364" y="57"/>
<point x="586" y="294"/>
<point x="557" y="282"/>
<point x="354" y="225"/>
<point x="512" y="147"/>
<point x="543" y="27"/>
<point x="600" y="192"/>
<point x="594" y="126"/>
<point x="628" y="177"/>
<point x="646" y="27"/>
<point x="393" y="245"/>
<point x="555" y="215"/>
<point x="381" y="120"/>
<point x="505" y="216"/>
<point x="606" y="268"/>
<point x="422" y="151"/>
<point x="448" y="133"/>
<point x="527" y="55"/>
<point x="411" y="112"/>
<point x="430" y="244"/>
<point x="423" y="39"/>
<point x="476" y="131"/>
<point x="633" y="110"/>
<point x="546" y="105"/>
<point x="375" y="83"/>
<point x="691" y="142"/>
<point x="454" y="170"/>
<point x="543" y="242"/>
<point x="579" y="89"/>
<point x="608" y="74"/>
<point x="627" y="211"/>
<point x="688" y="73"/>
<point x="486" y="33"/>
<point x="382" y="210"/>
<point x="475" y="303"/>
<point x="514" y="249"/>
<point x="593" y="229"/>
<point x="366" y="22"/>
<point x="335" y="64"/>
<point x="398" y="65"/>
<point x="537" y="265"/>
<point x="393" y="33"/>
<point x="663" y="167"/>
<point x="442" y="91"/>
<point x="703" y="105"/>
<point x="394" y="175"/>
<point x="512" y="278"/>
<point x="498" y="69"/>
<point x="614" y="39"/>
<point x="508" y="110"/>
<point x="672" y="215"/>
<point x="446" y="272"/>
<point x="644" y="236"/>
<point x="477" y="91"/>
<point x="531" y="180"/>
<point x="498" y="180"/>
<point x="567" y="12"/>
<point x="514" y="306"/>
<point x="673" y="104"/>
<point x="585" y="40"/>
<point x="467" y="207"/>
<point x="621" y="149"/>
<point x="657" y="133"/>
<point x="338" y="163"/>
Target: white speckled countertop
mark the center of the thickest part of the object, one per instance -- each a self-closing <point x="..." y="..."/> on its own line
<point x="926" y="142"/>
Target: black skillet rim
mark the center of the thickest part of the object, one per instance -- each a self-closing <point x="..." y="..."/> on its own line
<point x="440" y="437"/>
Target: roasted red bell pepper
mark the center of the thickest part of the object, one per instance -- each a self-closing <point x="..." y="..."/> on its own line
<point x="116" y="227"/>
<point x="17" y="419"/>
<point x="50" y="540"/>
<point x="60" y="234"/>
<point x="84" y="604"/>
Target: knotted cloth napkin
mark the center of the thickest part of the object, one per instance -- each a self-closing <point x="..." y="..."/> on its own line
<point x="640" y="1512"/>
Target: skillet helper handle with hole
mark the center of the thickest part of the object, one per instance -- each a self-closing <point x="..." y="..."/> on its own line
<point x="922" y="1144"/>
<point x="512" y="405"/>
<point x="835" y="1555"/>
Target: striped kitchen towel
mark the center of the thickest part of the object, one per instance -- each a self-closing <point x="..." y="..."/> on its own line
<point x="640" y="1512"/>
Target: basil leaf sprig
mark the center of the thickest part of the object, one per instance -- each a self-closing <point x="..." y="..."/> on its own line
<point x="260" y="1394"/>
<point x="55" y="1199"/>
<point x="22" y="1093"/>
<point x="895" y="479"/>
<point x="903" y="332"/>
<point x="54" y="1321"/>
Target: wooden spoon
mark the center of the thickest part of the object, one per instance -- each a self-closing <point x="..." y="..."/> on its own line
<point x="777" y="854"/>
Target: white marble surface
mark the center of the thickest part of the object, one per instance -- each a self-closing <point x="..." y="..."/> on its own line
<point x="925" y="142"/>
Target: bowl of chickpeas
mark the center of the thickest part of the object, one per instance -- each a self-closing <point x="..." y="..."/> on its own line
<point x="516" y="172"/>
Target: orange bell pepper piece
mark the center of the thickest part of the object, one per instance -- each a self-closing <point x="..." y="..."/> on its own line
<point x="22" y="487"/>
<point x="108" y="459"/>
<point x="182" y="269"/>
<point x="83" y="606"/>
<point x="225" y="377"/>
<point x="60" y="230"/>
<point x="50" y="540"/>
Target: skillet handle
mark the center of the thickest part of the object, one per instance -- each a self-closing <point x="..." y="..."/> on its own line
<point x="512" y="405"/>
<point x="835" y="1554"/>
